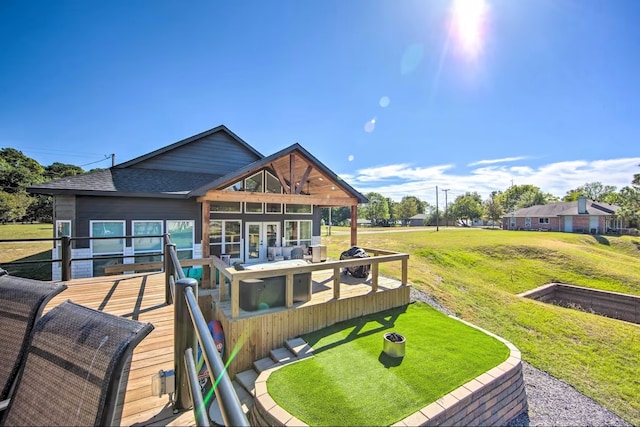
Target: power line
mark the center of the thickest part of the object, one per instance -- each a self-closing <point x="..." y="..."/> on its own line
<point x="107" y="156"/>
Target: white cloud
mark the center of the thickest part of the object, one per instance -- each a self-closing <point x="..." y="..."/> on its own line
<point x="493" y="161"/>
<point x="399" y="180"/>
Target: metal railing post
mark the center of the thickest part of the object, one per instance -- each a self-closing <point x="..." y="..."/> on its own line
<point x="168" y="271"/>
<point x="184" y="337"/>
<point x="65" y="246"/>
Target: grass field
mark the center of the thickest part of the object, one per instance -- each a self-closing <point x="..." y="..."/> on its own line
<point x="478" y="273"/>
<point x="27" y="251"/>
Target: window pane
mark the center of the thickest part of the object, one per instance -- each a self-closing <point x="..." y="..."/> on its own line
<point x="147" y="228"/>
<point x="235" y="187"/>
<point x="251" y="207"/>
<point x="303" y="209"/>
<point x="219" y="206"/>
<point x="254" y="183"/>
<point x="274" y="207"/>
<point x="107" y="228"/>
<point x="291" y="230"/>
<point x="273" y="185"/>
<point x="181" y="233"/>
<point x="305" y="230"/>
<point x="63" y="228"/>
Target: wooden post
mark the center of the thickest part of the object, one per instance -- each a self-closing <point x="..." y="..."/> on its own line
<point x="288" y="292"/>
<point x="354" y="225"/>
<point x="65" y="246"/>
<point x="184" y="337"/>
<point x="207" y="273"/>
<point x="336" y="282"/>
<point x="235" y="298"/>
<point x="374" y="277"/>
<point x="405" y="263"/>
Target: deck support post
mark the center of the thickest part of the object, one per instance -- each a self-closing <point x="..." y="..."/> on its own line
<point x="184" y="337"/>
<point x="168" y="272"/>
<point x="65" y="247"/>
<point x="354" y="225"/>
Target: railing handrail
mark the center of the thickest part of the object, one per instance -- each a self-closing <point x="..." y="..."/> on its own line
<point x="191" y="328"/>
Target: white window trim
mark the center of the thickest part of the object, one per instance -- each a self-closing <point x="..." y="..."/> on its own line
<point x="261" y="173"/>
<point x="133" y="239"/>
<point x="267" y="212"/>
<point x="266" y="177"/>
<point x="286" y="242"/>
<point x="193" y="233"/>
<point x="298" y="213"/>
<point x="227" y="212"/>
<point x="124" y="228"/>
<point x="223" y="242"/>
<point x="254" y="213"/>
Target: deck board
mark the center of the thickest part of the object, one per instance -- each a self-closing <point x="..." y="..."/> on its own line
<point x="141" y="297"/>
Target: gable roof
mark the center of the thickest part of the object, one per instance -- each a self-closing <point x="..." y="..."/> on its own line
<point x="163" y="150"/>
<point x="566" y="208"/>
<point x="130" y="182"/>
<point x="321" y="180"/>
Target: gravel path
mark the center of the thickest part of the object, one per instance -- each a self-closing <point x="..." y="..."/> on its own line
<point x="552" y="402"/>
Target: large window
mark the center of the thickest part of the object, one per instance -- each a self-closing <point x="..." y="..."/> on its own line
<point x="102" y="248"/>
<point x="253" y="207"/>
<point x="147" y="245"/>
<point x="299" y="209"/>
<point x="224" y="237"/>
<point x="273" y="184"/>
<point x="297" y="233"/>
<point x="181" y="233"/>
<point x="254" y="183"/>
<point x="227" y="207"/>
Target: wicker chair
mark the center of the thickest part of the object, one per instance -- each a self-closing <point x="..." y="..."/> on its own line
<point x="21" y="304"/>
<point x="76" y="368"/>
<point x="297" y="253"/>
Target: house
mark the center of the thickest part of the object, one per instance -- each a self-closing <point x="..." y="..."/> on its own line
<point x="418" y="220"/>
<point x="581" y="216"/>
<point x="212" y="192"/>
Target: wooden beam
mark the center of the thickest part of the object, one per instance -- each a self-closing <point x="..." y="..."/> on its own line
<point x="292" y="165"/>
<point x="207" y="273"/>
<point x="304" y="178"/>
<point x="286" y="188"/>
<point x="354" y="225"/>
<point x="243" y="196"/>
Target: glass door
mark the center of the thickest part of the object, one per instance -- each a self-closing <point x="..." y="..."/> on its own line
<point x="259" y="237"/>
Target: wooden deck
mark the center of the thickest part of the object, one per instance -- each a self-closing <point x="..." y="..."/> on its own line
<point x="141" y="297"/>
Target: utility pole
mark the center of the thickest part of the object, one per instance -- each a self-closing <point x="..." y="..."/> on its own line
<point x="446" y="207"/>
<point x="113" y="159"/>
<point x="437" y="212"/>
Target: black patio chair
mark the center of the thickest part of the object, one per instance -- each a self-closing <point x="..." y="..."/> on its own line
<point x="76" y="369"/>
<point x="21" y="304"/>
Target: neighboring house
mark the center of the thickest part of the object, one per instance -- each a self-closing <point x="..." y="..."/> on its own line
<point x="581" y="216"/>
<point x="418" y="220"/>
<point x="214" y="194"/>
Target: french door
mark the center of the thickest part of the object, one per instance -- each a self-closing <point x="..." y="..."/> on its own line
<point x="258" y="237"/>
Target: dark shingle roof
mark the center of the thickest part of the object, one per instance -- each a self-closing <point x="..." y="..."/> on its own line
<point x="129" y="181"/>
<point x="566" y="208"/>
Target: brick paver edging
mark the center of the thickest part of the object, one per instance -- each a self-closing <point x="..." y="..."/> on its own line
<point x="493" y="398"/>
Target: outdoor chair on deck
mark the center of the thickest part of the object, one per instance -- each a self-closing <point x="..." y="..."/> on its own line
<point x="21" y="304"/>
<point x="76" y="368"/>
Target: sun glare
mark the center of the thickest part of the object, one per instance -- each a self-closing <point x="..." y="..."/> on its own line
<point x="469" y="21"/>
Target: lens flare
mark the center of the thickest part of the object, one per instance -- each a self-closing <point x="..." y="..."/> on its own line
<point x="370" y="126"/>
<point x="384" y="101"/>
<point x="469" y="25"/>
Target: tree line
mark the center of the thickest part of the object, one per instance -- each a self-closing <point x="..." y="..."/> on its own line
<point x="470" y="206"/>
<point x="18" y="171"/>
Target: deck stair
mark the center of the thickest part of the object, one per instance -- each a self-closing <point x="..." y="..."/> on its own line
<point x="294" y="349"/>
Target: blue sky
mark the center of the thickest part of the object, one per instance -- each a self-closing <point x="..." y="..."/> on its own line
<point x="396" y="97"/>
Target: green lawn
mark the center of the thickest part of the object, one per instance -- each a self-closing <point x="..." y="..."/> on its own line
<point x="27" y="251"/>
<point x="477" y="273"/>
<point x="350" y="381"/>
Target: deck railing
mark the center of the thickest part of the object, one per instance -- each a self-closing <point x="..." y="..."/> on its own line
<point x="234" y="277"/>
<point x="190" y="328"/>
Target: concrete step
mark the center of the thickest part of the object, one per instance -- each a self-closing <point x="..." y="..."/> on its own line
<point x="263" y="364"/>
<point x="245" y="398"/>
<point x="299" y="347"/>
<point x="247" y="379"/>
<point x="281" y="355"/>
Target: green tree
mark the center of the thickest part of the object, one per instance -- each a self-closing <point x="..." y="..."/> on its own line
<point x="466" y="208"/>
<point x="408" y="207"/>
<point x="492" y="209"/>
<point x="18" y="171"/>
<point x="376" y="210"/>
<point x="594" y="191"/>
<point x="522" y="196"/>
<point x="61" y="170"/>
<point x="629" y="201"/>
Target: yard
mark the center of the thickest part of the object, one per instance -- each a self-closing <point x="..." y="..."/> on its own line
<point x="478" y="273"/>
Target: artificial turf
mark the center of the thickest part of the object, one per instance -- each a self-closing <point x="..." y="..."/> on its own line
<point x="350" y="381"/>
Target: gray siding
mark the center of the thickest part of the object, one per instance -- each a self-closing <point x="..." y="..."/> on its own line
<point x="64" y="207"/>
<point x="218" y="154"/>
<point x="130" y="209"/>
